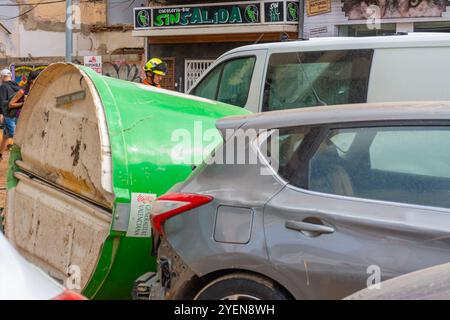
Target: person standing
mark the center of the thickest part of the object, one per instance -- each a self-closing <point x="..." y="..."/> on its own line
<point x="155" y="69"/>
<point x="8" y="89"/>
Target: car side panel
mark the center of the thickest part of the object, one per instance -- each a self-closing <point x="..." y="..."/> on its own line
<point x="238" y="189"/>
<point x="370" y="238"/>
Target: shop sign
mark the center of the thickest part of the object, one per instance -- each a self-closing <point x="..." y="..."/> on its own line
<point x="318" y="32"/>
<point x="293" y="11"/>
<point x="225" y="14"/>
<point x="142" y="18"/>
<point x="239" y="13"/>
<point x="94" y="62"/>
<point x="316" y="7"/>
<point x="274" y="11"/>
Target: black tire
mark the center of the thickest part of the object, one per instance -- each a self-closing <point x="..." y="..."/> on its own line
<point x="243" y="285"/>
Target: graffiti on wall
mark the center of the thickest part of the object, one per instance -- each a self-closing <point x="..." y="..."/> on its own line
<point x="130" y="71"/>
<point x="21" y="72"/>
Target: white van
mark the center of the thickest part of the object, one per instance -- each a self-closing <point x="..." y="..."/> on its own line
<point x="326" y="71"/>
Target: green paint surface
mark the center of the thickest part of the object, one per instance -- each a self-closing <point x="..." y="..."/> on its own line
<point x="144" y="124"/>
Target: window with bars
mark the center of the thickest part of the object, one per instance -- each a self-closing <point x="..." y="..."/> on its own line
<point x="193" y="69"/>
<point x="168" y="81"/>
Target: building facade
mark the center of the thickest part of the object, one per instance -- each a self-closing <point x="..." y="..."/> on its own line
<point x="375" y="17"/>
<point x="189" y="35"/>
<point x="33" y="36"/>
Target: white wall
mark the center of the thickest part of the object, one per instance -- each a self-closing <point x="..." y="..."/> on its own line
<point x="22" y="43"/>
<point x="52" y="44"/>
<point x="323" y="25"/>
<point x="41" y="43"/>
<point x="9" y="44"/>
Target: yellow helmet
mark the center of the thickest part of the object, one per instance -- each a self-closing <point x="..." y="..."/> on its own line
<point x="157" y="66"/>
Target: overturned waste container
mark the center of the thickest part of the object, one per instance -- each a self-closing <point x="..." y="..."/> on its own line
<point x="90" y="154"/>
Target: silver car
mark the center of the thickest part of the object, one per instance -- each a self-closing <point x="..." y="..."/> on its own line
<point x="426" y="284"/>
<point x="338" y="199"/>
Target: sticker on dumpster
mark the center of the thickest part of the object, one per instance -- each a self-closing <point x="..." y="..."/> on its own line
<point x="139" y="224"/>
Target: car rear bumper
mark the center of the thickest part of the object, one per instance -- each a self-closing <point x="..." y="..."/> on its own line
<point x="148" y="287"/>
<point x="173" y="279"/>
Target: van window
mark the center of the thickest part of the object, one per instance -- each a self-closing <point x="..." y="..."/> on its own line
<point x="235" y="81"/>
<point x="229" y="82"/>
<point x="305" y="79"/>
<point x="208" y="87"/>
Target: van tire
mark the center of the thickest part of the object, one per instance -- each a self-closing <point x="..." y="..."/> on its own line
<point x="242" y="286"/>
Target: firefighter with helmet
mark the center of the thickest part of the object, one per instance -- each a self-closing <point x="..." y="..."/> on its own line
<point x="155" y="69"/>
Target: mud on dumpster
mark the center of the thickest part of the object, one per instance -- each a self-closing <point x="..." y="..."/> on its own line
<point x="89" y="150"/>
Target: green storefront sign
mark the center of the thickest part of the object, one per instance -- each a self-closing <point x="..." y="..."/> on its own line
<point x="260" y="12"/>
<point x="237" y="14"/>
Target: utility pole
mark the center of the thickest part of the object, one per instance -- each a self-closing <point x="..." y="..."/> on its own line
<point x="301" y="19"/>
<point x="69" y="29"/>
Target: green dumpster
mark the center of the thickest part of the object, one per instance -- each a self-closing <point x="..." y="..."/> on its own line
<point x="90" y="154"/>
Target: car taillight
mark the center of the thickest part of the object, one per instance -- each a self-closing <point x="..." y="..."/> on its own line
<point x="69" y="295"/>
<point x="172" y="204"/>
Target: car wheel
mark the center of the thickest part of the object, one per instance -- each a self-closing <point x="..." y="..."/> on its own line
<point x="241" y="286"/>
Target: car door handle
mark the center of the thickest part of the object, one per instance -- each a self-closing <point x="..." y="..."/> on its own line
<point x="308" y="227"/>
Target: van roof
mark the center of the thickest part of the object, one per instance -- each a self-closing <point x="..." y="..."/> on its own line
<point x="386" y="111"/>
<point x="425" y="39"/>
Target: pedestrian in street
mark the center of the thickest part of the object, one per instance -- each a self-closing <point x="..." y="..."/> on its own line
<point x="155" y="69"/>
<point x="8" y="89"/>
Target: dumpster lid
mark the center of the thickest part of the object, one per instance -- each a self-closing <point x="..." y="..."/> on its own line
<point x="63" y="136"/>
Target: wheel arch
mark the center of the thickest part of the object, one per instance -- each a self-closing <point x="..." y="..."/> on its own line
<point x="195" y="284"/>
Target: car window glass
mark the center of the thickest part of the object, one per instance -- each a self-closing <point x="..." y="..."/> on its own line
<point x="421" y="152"/>
<point x="407" y="164"/>
<point x="282" y="147"/>
<point x="304" y="79"/>
<point x="235" y="81"/>
<point x="207" y="88"/>
<point x="343" y="141"/>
